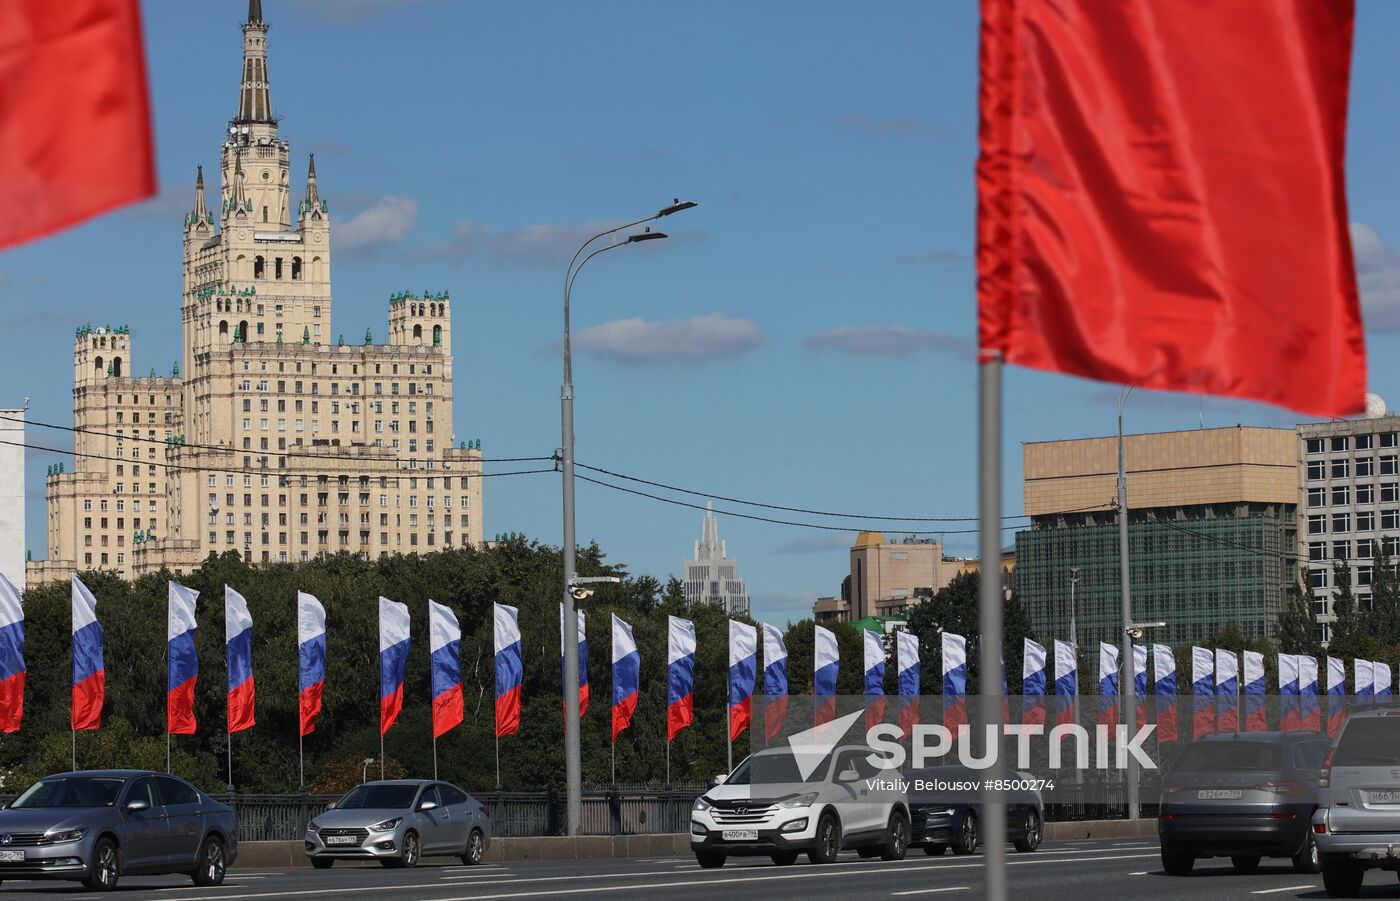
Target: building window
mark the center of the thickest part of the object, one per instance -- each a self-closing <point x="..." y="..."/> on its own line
<point x="1365" y="548"/>
<point x="1365" y="494"/>
<point x="1339" y="443"/>
<point x="1341" y="468"/>
<point x="1317" y="550"/>
<point x="1341" y="495"/>
<point x="1317" y="497"/>
<point x="1317" y="578"/>
<point x="1388" y="439"/>
<point x="1315" y="446"/>
<point x="1390" y="519"/>
<point x="1365" y="466"/>
<point x="1365" y="520"/>
<point x="1317" y="469"/>
<point x="1390" y="492"/>
<point x="1341" y="550"/>
<point x="1341" y="522"/>
<point x="1363" y="442"/>
<point x="1388" y="465"/>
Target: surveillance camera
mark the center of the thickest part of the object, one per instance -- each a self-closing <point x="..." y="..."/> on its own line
<point x="580" y="593"/>
<point x="1134" y="633"/>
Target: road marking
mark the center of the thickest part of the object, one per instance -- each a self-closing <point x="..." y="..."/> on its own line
<point x="1140" y="873"/>
<point x="933" y="891"/>
<point x="845" y="868"/>
<point x="1286" y="888"/>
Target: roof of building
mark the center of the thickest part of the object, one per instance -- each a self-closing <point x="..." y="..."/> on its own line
<point x="869" y="539"/>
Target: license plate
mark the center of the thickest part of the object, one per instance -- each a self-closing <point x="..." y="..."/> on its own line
<point x="9" y="856"/>
<point x="340" y="839"/>
<point x="740" y="835"/>
<point x="1219" y="794"/>
<point x="1384" y="797"/>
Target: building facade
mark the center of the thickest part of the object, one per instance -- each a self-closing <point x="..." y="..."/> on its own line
<point x="1212" y="532"/>
<point x="1349" y="502"/>
<point x="711" y="577"/>
<point x="271" y="436"/>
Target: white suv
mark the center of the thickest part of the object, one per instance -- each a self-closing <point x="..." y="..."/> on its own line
<point x="767" y="807"/>
<point x="1357" y="825"/>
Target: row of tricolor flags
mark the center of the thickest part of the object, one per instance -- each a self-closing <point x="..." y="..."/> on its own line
<point x="1215" y="673"/>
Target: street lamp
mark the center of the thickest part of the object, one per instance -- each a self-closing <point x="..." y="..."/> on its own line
<point x="572" y="765"/>
<point x="364" y="770"/>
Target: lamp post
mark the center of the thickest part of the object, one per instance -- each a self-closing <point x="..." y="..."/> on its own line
<point x="1073" y="631"/>
<point x="1126" y="674"/>
<point x="572" y="590"/>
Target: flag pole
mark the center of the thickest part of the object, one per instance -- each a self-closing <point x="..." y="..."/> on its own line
<point x="498" y="761"/>
<point x="230" y="762"/>
<point x="990" y="602"/>
<point x="668" y="763"/>
<point x="167" y="748"/>
<point x="614" y="761"/>
<point x="74" y="733"/>
<point x="498" y="755"/>
<point x="301" y="761"/>
<point x="381" y="754"/>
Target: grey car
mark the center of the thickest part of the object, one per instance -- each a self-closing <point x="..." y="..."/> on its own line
<point x="397" y="822"/>
<point x="99" y="825"/>
<point x="1357" y="826"/>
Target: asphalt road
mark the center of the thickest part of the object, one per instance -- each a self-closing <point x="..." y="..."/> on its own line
<point x="1123" y="868"/>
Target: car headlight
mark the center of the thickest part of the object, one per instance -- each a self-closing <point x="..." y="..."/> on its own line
<point x="71" y="835"/>
<point x="702" y="803"/>
<point x="313" y="826"/>
<point x="799" y="800"/>
<point x="387" y="825"/>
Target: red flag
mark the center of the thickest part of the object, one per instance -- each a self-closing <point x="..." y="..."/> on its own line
<point x="1144" y="175"/>
<point x="75" y="120"/>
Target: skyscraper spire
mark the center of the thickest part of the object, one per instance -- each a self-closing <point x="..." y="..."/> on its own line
<point x="240" y="200"/>
<point x="313" y="196"/>
<point x="255" y="97"/>
<point x="201" y="213"/>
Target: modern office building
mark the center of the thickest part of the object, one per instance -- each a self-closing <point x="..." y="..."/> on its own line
<point x="272" y="436"/>
<point x="1212" y="533"/>
<point x="1349" y="496"/>
<point x="711" y="577"/>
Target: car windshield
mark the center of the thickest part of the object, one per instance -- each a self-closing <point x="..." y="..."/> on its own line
<point x="1369" y="741"/>
<point x="1236" y="756"/>
<point x="379" y="797"/>
<point x="775" y="768"/>
<point x="70" y="791"/>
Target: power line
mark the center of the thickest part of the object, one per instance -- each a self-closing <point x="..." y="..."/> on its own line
<point x="280" y="472"/>
<point x="1262" y="552"/>
<point x="218" y="447"/>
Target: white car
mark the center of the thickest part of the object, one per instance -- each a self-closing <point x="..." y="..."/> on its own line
<point x="1357" y="826"/>
<point x="766" y="807"/>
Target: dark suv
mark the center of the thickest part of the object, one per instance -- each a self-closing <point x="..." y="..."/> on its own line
<point x="1244" y="796"/>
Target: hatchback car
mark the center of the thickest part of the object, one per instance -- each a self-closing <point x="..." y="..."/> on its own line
<point x="1245" y="796"/>
<point x="945" y="806"/>
<point x="768" y="807"/>
<point x="398" y="821"/>
<point x="99" y="825"/>
<point x="1357" y="827"/>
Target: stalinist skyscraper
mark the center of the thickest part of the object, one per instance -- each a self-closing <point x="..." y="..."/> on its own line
<point x="272" y="436"/>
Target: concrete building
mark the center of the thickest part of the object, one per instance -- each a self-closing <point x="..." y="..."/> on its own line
<point x="1212" y="533"/>
<point x="887" y="578"/>
<point x="711" y="577"/>
<point x="1349" y="501"/>
<point x="271" y="436"/>
<point x="12" y="482"/>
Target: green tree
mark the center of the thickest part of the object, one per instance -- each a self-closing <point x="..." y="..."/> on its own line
<point x="1297" y="624"/>
<point x="1347" y="619"/>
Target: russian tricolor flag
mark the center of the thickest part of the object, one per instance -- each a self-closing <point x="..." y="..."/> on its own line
<point x="1164" y="673"/>
<point x="775" y="681"/>
<point x="393" y="660"/>
<point x="89" y="674"/>
<point x="680" y="675"/>
<point x="1290" y="712"/>
<point x="1066" y="681"/>
<point x="626" y="676"/>
<point x="906" y="652"/>
<point x="874" y="652"/>
<point x="445" y="667"/>
<point x="12" y="669"/>
<point x="1336" y="694"/>
<point x="1202" y="689"/>
<point x="1140" y="683"/>
<point x="1256" y="716"/>
<point x="311" y="659"/>
<point x="510" y="668"/>
<point x="1033" y="683"/>
<point x="826" y="666"/>
<point x="182" y="663"/>
<point x="1108" y="683"/>
<point x="954" y="654"/>
<point x="1307" y="689"/>
<point x="238" y="652"/>
<point x="1227" y="690"/>
<point x="1380" y="678"/>
<point x="743" y="673"/>
<point x="1364" y="675"/>
<point x="582" y="658"/>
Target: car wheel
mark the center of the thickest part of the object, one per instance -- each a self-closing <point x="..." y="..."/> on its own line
<point x="322" y="863"/>
<point x="1342" y="878"/>
<point x="1308" y="860"/>
<point x="965" y="838"/>
<point x="709" y="860"/>
<point x="828" y="840"/>
<point x="1176" y="863"/>
<point x="476" y="848"/>
<point x="213" y="863"/>
<point x="784" y="858"/>
<point x="106" y="867"/>
<point x="1246" y="864"/>
<point x="896" y="837"/>
<point x="408" y="857"/>
<point x="1031" y="833"/>
<point x="935" y="850"/>
<point x="868" y="852"/>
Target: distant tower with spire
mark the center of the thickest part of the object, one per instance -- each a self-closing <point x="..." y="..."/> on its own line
<point x="711" y="577"/>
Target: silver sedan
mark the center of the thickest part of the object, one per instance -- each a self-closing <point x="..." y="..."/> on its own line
<point x="397" y="822"/>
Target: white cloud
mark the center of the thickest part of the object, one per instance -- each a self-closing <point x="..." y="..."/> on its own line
<point x="385" y="221"/>
<point x="544" y="244"/>
<point x="819" y="543"/>
<point x="685" y="342"/>
<point x="1378" y="275"/>
<point x="888" y="341"/>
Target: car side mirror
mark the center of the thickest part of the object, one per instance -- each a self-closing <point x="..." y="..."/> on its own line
<point x="428" y="805"/>
<point x="719" y="780"/>
<point x="848" y="775"/>
<point x="136" y="805"/>
<point x="330" y="806"/>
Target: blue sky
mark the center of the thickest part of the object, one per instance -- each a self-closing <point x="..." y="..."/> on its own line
<point x="804" y="338"/>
